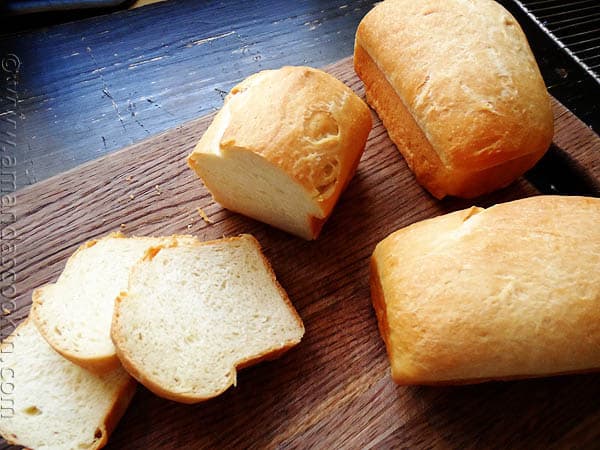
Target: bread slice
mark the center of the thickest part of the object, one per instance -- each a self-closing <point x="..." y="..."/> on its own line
<point x="50" y="403"/>
<point x="511" y="291"/>
<point x="196" y="312"/>
<point x="75" y="313"/>
<point x="283" y="148"/>
<point x="458" y="89"/>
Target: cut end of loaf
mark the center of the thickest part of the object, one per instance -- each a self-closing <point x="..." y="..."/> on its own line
<point x="246" y="183"/>
<point x="283" y="147"/>
<point x="195" y="313"/>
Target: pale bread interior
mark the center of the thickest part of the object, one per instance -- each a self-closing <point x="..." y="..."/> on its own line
<point x="56" y="404"/>
<point x="193" y="313"/>
<point x="75" y="313"/>
<point x="247" y="183"/>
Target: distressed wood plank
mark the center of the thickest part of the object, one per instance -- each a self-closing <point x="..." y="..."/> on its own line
<point x="334" y="389"/>
<point x="89" y="87"/>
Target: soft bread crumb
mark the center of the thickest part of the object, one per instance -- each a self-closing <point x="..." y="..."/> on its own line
<point x="58" y="405"/>
<point x="204" y="216"/>
<point x="74" y="314"/>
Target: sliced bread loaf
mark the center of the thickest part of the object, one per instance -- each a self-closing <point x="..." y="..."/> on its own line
<point x="284" y="147"/>
<point x="51" y="403"/>
<point x="196" y="312"/>
<point x="75" y="313"/>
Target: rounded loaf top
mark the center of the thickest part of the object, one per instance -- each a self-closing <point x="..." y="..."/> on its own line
<point x="302" y="120"/>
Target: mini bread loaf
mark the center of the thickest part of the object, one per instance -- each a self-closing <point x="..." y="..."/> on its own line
<point x="196" y="312"/>
<point x="458" y="90"/>
<point x="483" y="294"/>
<point x="283" y="147"/>
<point x="50" y="403"/>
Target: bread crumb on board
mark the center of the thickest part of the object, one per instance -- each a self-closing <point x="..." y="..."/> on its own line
<point x="157" y="188"/>
<point x="129" y="178"/>
<point x="204" y="215"/>
<point x="123" y="225"/>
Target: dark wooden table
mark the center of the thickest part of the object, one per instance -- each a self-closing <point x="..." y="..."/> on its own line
<point x="73" y="92"/>
<point x="77" y="91"/>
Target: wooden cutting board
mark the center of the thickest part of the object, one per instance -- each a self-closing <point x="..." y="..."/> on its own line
<point x="334" y="389"/>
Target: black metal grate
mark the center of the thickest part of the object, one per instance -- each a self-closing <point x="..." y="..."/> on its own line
<point x="574" y="25"/>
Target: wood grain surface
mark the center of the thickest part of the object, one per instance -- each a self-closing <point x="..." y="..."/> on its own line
<point x="89" y="87"/>
<point x="334" y="389"/>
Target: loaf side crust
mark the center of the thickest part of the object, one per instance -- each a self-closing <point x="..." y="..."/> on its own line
<point x="422" y="159"/>
<point x="121" y="402"/>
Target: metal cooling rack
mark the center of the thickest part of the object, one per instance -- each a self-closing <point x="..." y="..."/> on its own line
<point x="574" y="25"/>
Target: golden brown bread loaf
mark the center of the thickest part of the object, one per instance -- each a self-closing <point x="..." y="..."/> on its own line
<point x="458" y="89"/>
<point x="505" y="292"/>
<point x="283" y="147"/>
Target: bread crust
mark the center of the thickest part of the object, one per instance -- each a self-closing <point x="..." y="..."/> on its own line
<point x="301" y="120"/>
<point x="99" y="365"/>
<point x="498" y="294"/>
<point x="147" y="378"/>
<point x="420" y="156"/>
<point x="121" y="402"/>
<point x="466" y="104"/>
